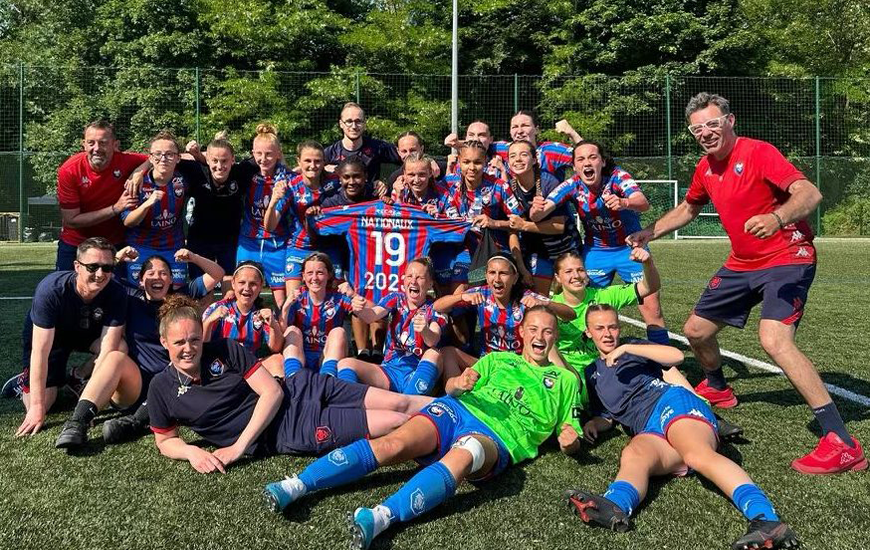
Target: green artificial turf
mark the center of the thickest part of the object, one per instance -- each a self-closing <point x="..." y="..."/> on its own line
<point x="129" y="497"/>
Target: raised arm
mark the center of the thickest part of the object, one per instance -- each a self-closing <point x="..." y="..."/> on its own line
<point x="137" y="216"/>
<point x="212" y="272"/>
<point x="651" y="282"/>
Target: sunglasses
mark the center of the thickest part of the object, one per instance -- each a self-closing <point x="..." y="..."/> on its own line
<point x="92" y="268"/>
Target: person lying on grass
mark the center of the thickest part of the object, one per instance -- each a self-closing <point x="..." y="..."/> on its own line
<point x="496" y="413"/>
<point x="674" y="432"/>
<point x="222" y="392"/>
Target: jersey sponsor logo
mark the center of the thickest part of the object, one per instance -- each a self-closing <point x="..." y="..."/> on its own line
<point x="666" y="414"/>
<point x="738" y="168"/>
<point x="598" y="223"/>
<point x="164" y="220"/>
<point x="418" y="502"/>
<point x="258" y="209"/>
<point x="338" y="457"/>
<point x="216" y="368"/>
<point x="322" y="434"/>
<point x="714" y="283"/>
<point x="117" y="173"/>
<point x="178" y="186"/>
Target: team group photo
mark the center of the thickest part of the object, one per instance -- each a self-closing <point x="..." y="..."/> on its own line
<point x="513" y="333"/>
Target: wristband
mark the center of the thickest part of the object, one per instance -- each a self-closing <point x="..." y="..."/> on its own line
<point x="778" y="219"/>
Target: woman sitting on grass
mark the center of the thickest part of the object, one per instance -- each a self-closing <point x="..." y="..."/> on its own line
<point x="219" y="390"/>
<point x="674" y="431"/>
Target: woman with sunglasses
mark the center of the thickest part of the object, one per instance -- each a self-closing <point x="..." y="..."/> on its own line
<point x="80" y="310"/>
<point x="155" y="226"/>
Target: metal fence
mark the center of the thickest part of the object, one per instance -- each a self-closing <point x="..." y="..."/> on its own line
<point x="821" y="124"/>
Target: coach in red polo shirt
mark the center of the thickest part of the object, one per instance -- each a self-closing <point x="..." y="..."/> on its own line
<point x="763" y="202"/>
<point x="90" y="190"/>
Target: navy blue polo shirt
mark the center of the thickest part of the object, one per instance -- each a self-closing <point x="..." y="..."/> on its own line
<point x="77" y="324"/>
<point x="218" y="406"/>
<point x="217" y="209"/>
<point x="626" y="392"/>
<point x="141" y="331"/>
<point x="373" y="152"/>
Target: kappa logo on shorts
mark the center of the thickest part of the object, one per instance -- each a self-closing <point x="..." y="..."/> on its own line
<point x="418" y="502"/>
<point x="714" y="283"/>
<point x="322" y="434"/>
<point x="696" y="412"/>
<point x="216" y="368"/>
<point x="338" y="457"/>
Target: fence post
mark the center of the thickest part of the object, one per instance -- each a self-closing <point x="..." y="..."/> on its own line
<point x="668" y="125"/>
<point x="818" y="156"/>
<point x="356" y="85"/>
<point x="516" y="93"/>
<point x="196" y="93"/>
<point x="22" y="203"/>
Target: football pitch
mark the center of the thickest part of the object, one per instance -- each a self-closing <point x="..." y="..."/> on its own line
<point x="130" y="497"/>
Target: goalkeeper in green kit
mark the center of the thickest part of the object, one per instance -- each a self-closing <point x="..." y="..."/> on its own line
<point x="496" y="414"/>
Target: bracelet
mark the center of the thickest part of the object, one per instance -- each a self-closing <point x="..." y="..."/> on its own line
<point x="778" y="219"/>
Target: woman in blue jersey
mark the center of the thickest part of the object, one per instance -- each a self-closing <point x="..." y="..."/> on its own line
<point x="673" y="431"/>
<point x="256" y="242"/>
<point x="498" y="307"/>
<point x="146" y="357"/>
<point x="156" y="224"/>
<point x="244" y="319"/>
<point x="609" y="202"/>
<point x="541" y="242"/>
<point x="315" y="316"/>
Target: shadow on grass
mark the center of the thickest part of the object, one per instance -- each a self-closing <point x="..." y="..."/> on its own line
<point x="21" y="282"/>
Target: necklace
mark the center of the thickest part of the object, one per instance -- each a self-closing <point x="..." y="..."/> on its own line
<point x="183" y="386"/>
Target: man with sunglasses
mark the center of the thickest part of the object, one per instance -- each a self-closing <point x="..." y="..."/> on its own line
<point x="80" y="310"/>
<point x="373" y="152"/>
<point x="763" y="202"/>
<point x="90" y="190"/>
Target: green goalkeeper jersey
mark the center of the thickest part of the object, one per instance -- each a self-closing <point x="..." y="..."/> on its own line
<point x="523" y="403"/>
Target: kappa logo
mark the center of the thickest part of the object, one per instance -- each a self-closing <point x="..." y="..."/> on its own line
<point x="846" y="457"/>
<point x="338" y="457"/>
<point x="696" y="412"/>
<point x="738" y="168"/>
<point x="796" y="236"/>
<point x="216" y="368"/>
<point x="322" y="434"/>
<point x="802" y="252"/>
<point x="714" y="283"/>
<point x="418" y="502"/>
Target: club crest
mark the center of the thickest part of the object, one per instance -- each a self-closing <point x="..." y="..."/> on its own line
<point x="216" y="368"/>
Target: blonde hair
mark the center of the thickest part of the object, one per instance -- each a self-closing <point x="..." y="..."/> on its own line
<point x="221" y="140"/>
<point x="268" y="132"/>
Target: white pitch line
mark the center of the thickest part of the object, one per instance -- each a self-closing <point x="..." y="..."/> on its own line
<point x="16" y="297"/>
<point x="836" y="390"/>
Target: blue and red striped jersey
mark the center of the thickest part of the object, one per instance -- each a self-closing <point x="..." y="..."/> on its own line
<point x="317" y="320"/>
<point x="493" y="197"/>
<point x="603" y="228"/>
<point x="291" y="210"/>
<point x="257" y="198"/>
<point x="248" y="329"/>
<point x="554" y="157"/>
<point x="383" y="238"/>
<point x="402" y="339"/>
<point x="499" y="327"/>
<point x="163" y="225"/>
<point x="433" y="195"/>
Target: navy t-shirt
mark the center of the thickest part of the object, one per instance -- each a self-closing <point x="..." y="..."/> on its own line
<point x="549" y="245"/>
<point x="626" y="392"/>
<point x="217" y="209"/>
<point x="141" y="331"/>
<point x="218" y="406"/>
<point x="57" y="305"/>
<point x="373" y="153"/>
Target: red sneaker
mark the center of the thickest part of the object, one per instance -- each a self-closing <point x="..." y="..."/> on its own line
<point x="831" y="456"/>
<point x="724" y="399"/>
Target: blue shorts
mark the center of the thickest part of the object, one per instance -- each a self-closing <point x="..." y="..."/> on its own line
<point x="179" y="269"/>
<point x="781" y="290"/>
<point x="399" y="370"/>
<point x="539" y="266"/>
<point x="270" y="253"/>
<point x="313" y="359"/>
<point x="451" y="263"/>
<point x="293" y="263"/>
<point x="603" y="263"/>
<point x="453" y="421"/>
<point x="676" y="403"/>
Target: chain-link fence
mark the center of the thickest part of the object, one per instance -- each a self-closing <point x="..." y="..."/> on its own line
<point x="820" y="124"/>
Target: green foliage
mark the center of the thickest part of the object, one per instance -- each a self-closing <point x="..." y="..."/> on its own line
<point x="850" y="217"/>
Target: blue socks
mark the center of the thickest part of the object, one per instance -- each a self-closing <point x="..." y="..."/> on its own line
<point x="752" y="502"/>
<point x="828" y="417"/>
<point x="429" y="488"/>
<point x="624" y="495"/>
<point x="329" y="367"/>
<point x="340" y="466"/>
<point x="423" y="379"/>
<point x="348" y="375"/>
<point x="658" y="335"/>
<point x="716" y="379"/>
<point x="291" y="366"/>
